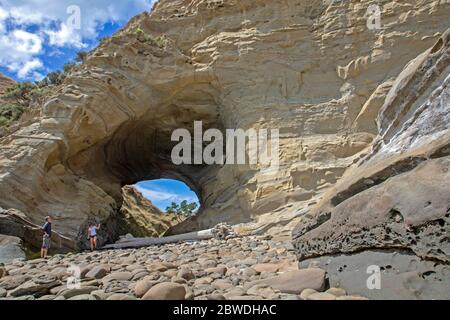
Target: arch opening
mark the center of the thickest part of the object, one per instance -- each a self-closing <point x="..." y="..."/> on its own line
<point x="139" y="150"/>
<point x="150" y="207"/>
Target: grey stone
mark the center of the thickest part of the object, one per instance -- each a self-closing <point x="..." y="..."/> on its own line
<point x="119" y="276"/>
<point x="69" y="293"/>
<point x="82" y="297"/>
<point x="186" y="274"/>
<point x="321" y="296"/>
<point x="40" y="285"/>
<point x="97" y="272"/>
<point x="166" y="291"/>
<point x="403" y="275"/>
<point x="10" y="249"/>
<point x="295" y="282"/>
<point x="121" y="296"/>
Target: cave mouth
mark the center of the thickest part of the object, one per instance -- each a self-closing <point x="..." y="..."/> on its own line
<point x="140" y="149"/>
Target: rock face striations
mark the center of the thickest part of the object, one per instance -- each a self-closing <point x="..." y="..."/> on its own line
<point x="393" y="207"/>
<point x="141" y="218"/>
<point x="363" y="144"/>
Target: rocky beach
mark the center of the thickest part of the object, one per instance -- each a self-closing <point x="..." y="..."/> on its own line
<point x="354" y="202"/>
<point x="244" y="268"/>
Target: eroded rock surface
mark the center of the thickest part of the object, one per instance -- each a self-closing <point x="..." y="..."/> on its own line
<point x="397" y="198"/>
<point x="16" y="224"/>
<point x="311" y="69"/>
<point x="10" y="249"/>
<point x="403" y="275"/>
<point x="363" y="117"/>
<point x="141" y="218"/>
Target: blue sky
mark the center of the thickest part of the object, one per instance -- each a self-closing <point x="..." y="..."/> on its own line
<point x="163" y="192"/>
<point x="40" y="36"/>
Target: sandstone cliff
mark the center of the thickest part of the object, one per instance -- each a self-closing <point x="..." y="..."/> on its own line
<point x="141" y="218"/>
<point x="393" y="207"/>
<point x="312" y="69"/>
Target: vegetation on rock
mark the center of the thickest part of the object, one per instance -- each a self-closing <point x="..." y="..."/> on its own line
<point x="184" y="208"/>
<point x="160" y="42"/>
<point x="19" y="96"/>
<point x="9" y="113"/>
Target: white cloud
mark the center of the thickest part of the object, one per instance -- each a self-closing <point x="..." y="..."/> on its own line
<point x="25" y="42"/>
<point x="3" y="16"/>
<point x="28" y="67"/>
<point x="65" y="37"/>
<point x="93" y="13"/>
<point x="3" y="13"/>
<point x="20" y="50"/>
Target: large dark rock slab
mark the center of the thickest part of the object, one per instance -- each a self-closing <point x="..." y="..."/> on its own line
<point x="296" y="281"/>
<point x="10" y="249"/>
<point x="402" y="274"/>
<point x="397" y="197"/>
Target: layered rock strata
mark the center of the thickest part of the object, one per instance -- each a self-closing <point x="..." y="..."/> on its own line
<point x="141" y="218"/>
<point x="392" y="209"/>
<point x="311" y="69"/>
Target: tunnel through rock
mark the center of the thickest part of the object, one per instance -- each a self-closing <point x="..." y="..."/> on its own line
<point x="141" y="150"/>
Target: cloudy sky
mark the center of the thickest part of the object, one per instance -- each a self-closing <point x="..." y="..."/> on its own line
<point x="39" y="36"/>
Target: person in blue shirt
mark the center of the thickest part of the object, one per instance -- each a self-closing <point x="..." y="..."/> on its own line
<point x="47" y="228"/>
<point x="92" y="235"/>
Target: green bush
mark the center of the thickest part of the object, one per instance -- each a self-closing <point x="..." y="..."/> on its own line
<point x="20" y="93"/>
<point x="19" y="96"/>
<point x="10" y="113"/>
<point x="161" y="41"/>
<point x="104" y="40"/>
<point x="81" y="56"/>
<point x="184" y="208"/>
<point x="68" y="67"/>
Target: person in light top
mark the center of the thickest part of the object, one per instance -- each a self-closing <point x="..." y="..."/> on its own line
<point x="92" y="235"/>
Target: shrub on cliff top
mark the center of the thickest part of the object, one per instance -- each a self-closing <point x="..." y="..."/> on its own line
<point x="10" y="113"/>
<point x="184" y="208"/>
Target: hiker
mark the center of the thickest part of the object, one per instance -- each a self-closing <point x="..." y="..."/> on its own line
<point x="47" y="228"/>
<point x="92" y="235"/>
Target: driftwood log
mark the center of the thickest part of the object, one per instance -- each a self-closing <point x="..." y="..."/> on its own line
<point x="221" y="231"/>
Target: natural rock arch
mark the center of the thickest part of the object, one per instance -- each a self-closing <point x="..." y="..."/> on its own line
<point x="297" y="68"/>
